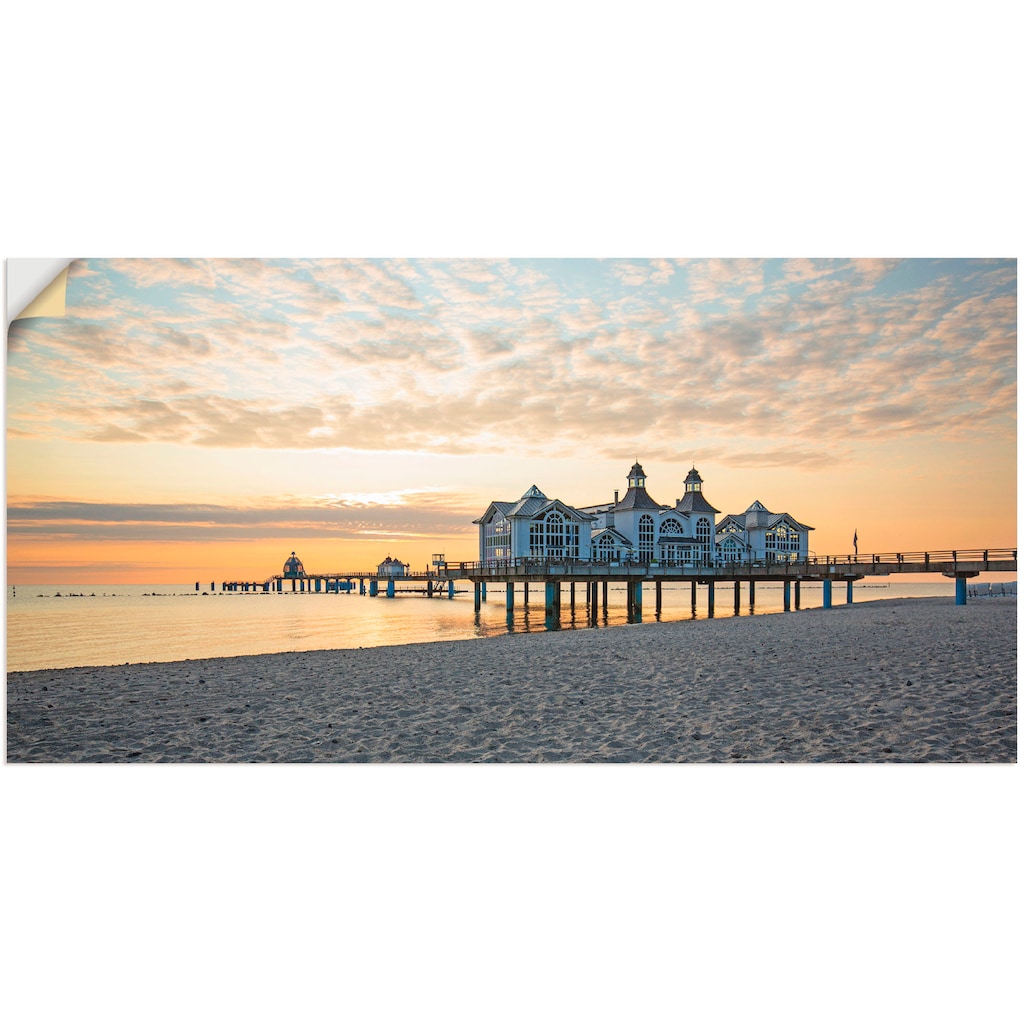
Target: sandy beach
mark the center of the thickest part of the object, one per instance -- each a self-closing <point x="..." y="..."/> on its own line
<point x="919" y="680"/>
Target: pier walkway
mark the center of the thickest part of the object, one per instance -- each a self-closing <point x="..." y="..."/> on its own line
<point x="958" y="565"/>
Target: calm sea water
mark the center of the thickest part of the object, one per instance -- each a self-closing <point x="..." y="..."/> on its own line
<point x="114" y="624"/>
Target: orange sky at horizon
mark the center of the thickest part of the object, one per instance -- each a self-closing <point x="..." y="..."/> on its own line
<point x="199" y="420"/>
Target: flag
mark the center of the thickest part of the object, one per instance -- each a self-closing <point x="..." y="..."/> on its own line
<point x="855" y="542"/>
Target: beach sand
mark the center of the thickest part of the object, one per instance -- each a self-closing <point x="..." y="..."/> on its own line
<point x="916" y="680"/>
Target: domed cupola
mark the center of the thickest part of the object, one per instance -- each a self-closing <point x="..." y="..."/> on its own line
<point x="637" y="476"/>
<point x="293" y="568"/>
<point x="693" y="481"/>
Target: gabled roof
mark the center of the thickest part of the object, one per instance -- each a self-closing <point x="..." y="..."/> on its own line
<point x="694" y="501"/>
<point x="785" y="517"/>
<point x="738" y="521"/>
<point x="560" y="506"/>
<point x="610" y="531"/>
<point x="501" y="507"/>
<point x="764" y="520"/>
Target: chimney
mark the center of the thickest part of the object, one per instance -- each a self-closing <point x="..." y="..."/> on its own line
<point x="616" y="497"/>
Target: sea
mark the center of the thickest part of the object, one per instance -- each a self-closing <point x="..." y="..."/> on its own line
<point x="52" y="626"/>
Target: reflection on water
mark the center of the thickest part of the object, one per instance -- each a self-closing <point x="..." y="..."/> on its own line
<point x="153" y="623"/>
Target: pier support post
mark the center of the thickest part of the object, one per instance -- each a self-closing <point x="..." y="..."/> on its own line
<point x="796" y="595"/>
<point x="373" y="588"/>
<point x="391" y="588"/>
<point x="552" y="597"/>
<point x="451" y="589"/>
<point x="961" y="590"/>
<point x="826" y="593"/>
<point x="604" y="595"/>
<point x="657" y="598"/>
<point x="526" y="594"/>
<point x="510" y="597"/>
<point x="786" y="595"/>
<point x="736" y="598"/>
<point x="476" y="595"/>
<point x="693" y="593"/>
<point x="572" y="597"/>
<point x="849" y="591"/>
<point x="638" y="597"/>
<point x="362" y="586"/>
<point x="751" y="593"/>
<point x="711" y="599"/>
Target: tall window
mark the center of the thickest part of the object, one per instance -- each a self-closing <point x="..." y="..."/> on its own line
<point x="646" y="537"/>
<point x="536" y="540"/>
<point x="703" y="533"/>
<point x="554" y="535"/>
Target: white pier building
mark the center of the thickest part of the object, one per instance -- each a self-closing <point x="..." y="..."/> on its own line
<point x="637" y="528"/>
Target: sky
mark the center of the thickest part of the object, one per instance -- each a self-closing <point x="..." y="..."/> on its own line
<point x="201" y="419"/>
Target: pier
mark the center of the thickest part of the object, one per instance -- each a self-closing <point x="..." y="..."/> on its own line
<point x="829" y="571"/>
<point x="594" y="578"/>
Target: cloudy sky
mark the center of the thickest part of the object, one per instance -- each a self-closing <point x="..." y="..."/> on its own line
<point x="188" y="418"/>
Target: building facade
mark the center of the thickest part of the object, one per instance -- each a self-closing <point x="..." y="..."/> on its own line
<point x="637" y="528"/>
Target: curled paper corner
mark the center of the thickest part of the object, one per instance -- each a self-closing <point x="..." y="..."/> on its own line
<point x="36" y="287"/>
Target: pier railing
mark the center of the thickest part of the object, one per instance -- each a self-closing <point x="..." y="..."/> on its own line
<point x="961" y="561"/>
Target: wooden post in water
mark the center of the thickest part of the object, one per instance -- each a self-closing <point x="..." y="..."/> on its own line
<point x="604" y="595"/>
<point x="849" y="591"/>
<point x="476" y="596"/>
<point x="736" y="598"/>
<point x="510" y="597"/>
<point x="657" y="598"/>
<point x="711" y="599"/>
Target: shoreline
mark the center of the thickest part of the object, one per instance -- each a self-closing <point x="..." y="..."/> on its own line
<point x="905" y="680"/>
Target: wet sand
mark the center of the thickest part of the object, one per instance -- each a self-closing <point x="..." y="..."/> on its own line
<point x="913" y="680"/>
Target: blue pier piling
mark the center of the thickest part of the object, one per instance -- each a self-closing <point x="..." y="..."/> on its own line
<point x="373" y="588"/>
<point x="476" y="596"/>
<point x="391" y="588"/>
<point x="509" y="597"/>
<point x="826" y="593"/>
<point x="362" y="587"/>
<point x="483" y="591"/>
<point x="786" y="590"/>
<point x="961" y="590"/>
<point x="552" y="597"/>
<point x="849" y="591"/>
<point x="451" y="589"/>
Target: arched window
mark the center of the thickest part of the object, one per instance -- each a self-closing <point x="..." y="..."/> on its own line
<point x="554" y="535"/>
<point x="646" y="538"/>
<point x="606" y="548"/>
<point x="671" y="527"/>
